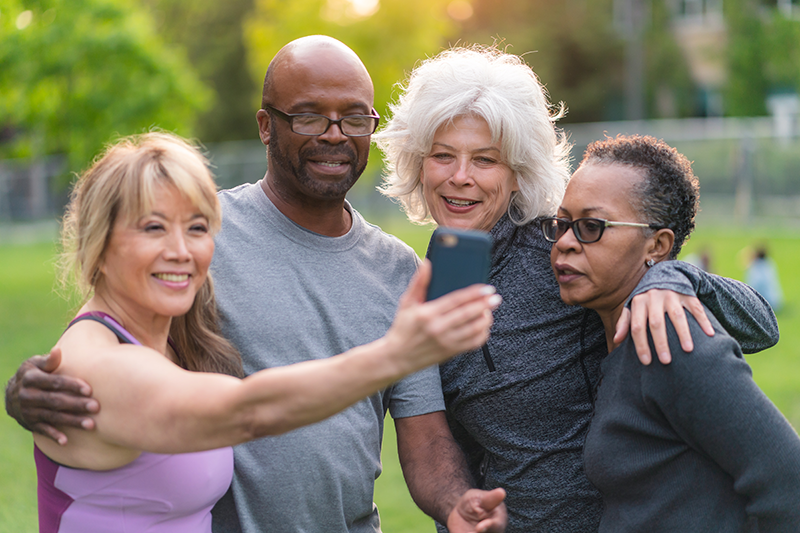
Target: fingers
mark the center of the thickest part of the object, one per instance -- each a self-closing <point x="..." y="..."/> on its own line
<point x="466" y="326"/>
<point x="490" y="511"/>
<point x="678" y="318"/>
<point x="479" y="510"/>
<point x="491" y="499"/>
<point x="623" y="326"/>
<point x="31" y="377"/>
<point x="639" y="328"/>
<point x="48" y="363"/>
<point x="50" y="431"/>
<point x="695" y="307"/>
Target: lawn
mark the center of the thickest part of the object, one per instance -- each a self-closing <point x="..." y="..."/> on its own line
<point x="32" y="316"/>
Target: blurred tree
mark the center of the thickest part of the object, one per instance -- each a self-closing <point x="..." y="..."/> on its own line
<point x="572" y="45"/>
<point x="211" y="32"/>
<point x="782" y="49"/>
<point x="578" y="52"/>
<point x="670" y="91"/>
<point x="746" y="87"/>
<point x="390" y="36"/>
<point x="74" y="73"/>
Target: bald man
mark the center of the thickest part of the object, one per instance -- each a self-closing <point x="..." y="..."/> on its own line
<point x="300" y="275"/>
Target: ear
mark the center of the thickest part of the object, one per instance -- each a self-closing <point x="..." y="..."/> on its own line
<point x="263" y="125"/>
<point x="660" y="245"/>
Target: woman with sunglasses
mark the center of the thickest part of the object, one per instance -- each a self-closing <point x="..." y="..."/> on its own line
<point x="690" y="446"/>
<point x="472" y="145"/>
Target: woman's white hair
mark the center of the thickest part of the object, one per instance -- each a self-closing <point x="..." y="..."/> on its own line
<point x="486" y="82"/>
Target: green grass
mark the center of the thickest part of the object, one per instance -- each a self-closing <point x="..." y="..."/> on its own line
<point x="32" y="316"/>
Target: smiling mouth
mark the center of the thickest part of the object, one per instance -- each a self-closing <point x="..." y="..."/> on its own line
<point x="176" y="278"/>
<point x="331" y="164"/>
<point x="460" y="203"/>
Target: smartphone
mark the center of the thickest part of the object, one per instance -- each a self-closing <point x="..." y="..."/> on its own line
<point x="460" y="258"/>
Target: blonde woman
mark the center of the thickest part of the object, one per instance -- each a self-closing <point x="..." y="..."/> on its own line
<point x="138" y="234"/>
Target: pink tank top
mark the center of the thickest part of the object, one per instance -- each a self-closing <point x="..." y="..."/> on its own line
<point x="155" y="493"/>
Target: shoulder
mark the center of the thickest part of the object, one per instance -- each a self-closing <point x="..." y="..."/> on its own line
<point x="713" y="360"/>
<point x="392" y="249"/>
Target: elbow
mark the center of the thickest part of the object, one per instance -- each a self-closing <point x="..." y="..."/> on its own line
<point x="257" y="424"/>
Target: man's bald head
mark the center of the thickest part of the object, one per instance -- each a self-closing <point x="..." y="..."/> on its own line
<point x="304" y="51"/>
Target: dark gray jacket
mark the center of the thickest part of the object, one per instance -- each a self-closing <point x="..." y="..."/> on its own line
<point x="691" y="446"/>
<point x="521" y="411"/>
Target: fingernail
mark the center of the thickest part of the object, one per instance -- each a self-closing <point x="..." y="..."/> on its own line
<point x="86" y="391"/>
<point x="86" y="423"/>
<point x="62" y="441"/>
<point x="92" y="405"/>
<point x="488" y="289"/>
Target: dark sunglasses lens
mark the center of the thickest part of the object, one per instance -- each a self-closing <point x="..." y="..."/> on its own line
<point x="589" y="230"/>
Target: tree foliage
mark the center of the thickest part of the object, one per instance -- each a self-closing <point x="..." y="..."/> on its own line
<point x="212" y="35"/>
<point x="75" y="73"/>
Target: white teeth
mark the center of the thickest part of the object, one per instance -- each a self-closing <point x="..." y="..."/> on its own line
<point x="172" y="277"/>
<point x="460" y="203"/>
<point x="331" y="163"/>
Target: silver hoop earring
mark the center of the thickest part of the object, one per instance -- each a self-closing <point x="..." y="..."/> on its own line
<point x="649" y="263"/>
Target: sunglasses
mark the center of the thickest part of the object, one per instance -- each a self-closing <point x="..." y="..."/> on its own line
<point x="586" y="230"/>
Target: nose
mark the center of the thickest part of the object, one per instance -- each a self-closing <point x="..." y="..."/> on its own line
<point x="462" y="175"/>
<point x="333" y="135"/>
<point x="568" y="241"/>
<point x="176" y="247"/>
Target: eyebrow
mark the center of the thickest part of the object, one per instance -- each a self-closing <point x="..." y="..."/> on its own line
<point x="587" y="211"/>
<point x="349" y="105"/>
<point x="485" y="149"/>
<point x="162" y="215"/>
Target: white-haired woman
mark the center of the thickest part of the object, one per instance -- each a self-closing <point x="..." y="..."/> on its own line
<point x="472" y="144"/>
<point x="138" y="234"/>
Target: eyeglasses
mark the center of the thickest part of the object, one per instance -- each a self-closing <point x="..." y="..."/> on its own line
<point x="586" y="230"/>
<point x="313" y="124"/>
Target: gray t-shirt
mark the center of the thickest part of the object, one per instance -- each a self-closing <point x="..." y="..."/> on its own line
<point x="287" y="295"/>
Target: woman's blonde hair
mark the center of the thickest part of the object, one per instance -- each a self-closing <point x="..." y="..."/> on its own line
<point x="486" y="82"/>
<point x="120" y="186"/>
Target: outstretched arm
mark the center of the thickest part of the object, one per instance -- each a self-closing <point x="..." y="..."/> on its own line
<point x="40" y="400"/>
<point x="150" y="404"/>
<point x="672" y="286"/>
<point x="438" y="480"/>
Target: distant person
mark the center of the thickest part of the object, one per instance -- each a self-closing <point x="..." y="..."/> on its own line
<point x="692" y="446"/>
<point x="139" y="232"/>
<point x="300" y="276"/>
<point x="701" y="260"/>
<point x="762" y="275"/>
<point x="472" y="145"/>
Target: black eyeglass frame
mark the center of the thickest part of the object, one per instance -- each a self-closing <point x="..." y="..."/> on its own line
<point x="572" y="224"/>
<point x="289" y="117"/>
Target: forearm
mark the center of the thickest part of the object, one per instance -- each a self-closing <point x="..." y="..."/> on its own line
<point x="433" y="464"/>
<point x="744" y="313"/>
<point x="200" y="411"/>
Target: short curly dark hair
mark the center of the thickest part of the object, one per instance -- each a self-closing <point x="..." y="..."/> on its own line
<point x="669" y="194"/>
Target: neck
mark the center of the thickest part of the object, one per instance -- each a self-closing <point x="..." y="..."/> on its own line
<point x="325" y="217"/>
<point x="610" y="317"/>
<point x="150" y="329"/>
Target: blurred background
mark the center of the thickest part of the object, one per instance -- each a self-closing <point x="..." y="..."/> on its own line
<point x="717" y="79"/>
